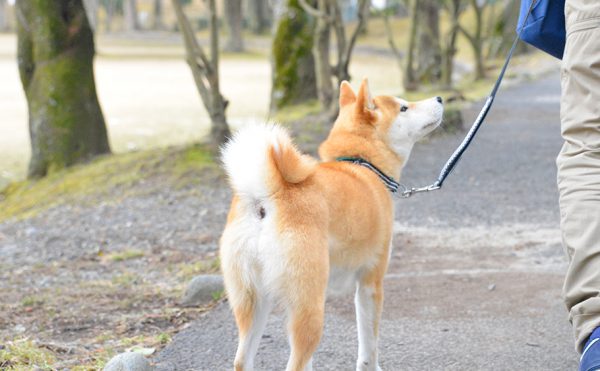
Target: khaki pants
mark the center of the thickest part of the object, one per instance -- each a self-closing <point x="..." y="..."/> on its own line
<point x="579" y="165"/>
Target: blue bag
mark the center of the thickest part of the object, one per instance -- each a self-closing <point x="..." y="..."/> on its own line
<point x="545" y="26"/>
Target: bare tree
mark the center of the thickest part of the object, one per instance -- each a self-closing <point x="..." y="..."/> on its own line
<point x="206" y="72"/>
<point x="130" y="14"/>
<point x="476" y="38"/>
<point x="55" y="56"/>
<point x="234" y="19"/>
<point x="293" y="77"/>
<point x="328" y="16"/>
<point x="454" y="9"/>
<point x="429" y="53"/>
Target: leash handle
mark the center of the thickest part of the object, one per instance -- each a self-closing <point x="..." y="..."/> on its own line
<point x="457" y="154"/>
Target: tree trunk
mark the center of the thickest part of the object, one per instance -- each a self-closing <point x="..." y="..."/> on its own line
<point x="476" y="39"/>
<point x="3" y="15"/>
<point x="323" y="71"/>
<point x="55" y="57"/>
<point x="131" y="15"/>
<point x="158" y="23"/>
<point x="206" y="73"/>
<point x="294" y="79"/>
<point x="410" y="79"/>
<point x="259" y="16"/>
<point x="478" y="44"/>
<point x="429" y="54"/>
<point x="503" y="31"/>
<point x="454" y="10"/>
<point x="233" y="16"/>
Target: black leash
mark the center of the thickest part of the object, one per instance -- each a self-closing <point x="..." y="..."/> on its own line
<point x="453" y="160"/>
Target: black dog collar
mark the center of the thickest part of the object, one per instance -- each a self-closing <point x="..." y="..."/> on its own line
<point x="389" y="182"/>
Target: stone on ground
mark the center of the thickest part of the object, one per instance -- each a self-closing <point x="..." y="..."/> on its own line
<point x="130" y="361"/>
<point x="203" y="289"/>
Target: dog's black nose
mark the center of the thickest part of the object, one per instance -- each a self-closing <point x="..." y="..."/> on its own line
<point x="439" y="99"/>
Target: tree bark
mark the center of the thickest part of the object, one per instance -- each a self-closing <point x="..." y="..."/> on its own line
<point x="55" y="58"/>
<point x="409" y="78"/>
<point x="206" y="73"/>
<point x="429" y="53"/>
<point x="234" y="19"/>
<point x="321" y="49"/>
<point x="131" y="15"/>
<point x="293" y="65"/>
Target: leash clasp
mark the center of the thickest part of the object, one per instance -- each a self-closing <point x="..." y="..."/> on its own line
<point x="406" y="193"/>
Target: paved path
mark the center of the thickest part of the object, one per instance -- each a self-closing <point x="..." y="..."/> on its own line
<point x="475" y="278"/>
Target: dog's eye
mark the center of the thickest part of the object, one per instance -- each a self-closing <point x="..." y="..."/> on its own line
<point x="403" y="108"/>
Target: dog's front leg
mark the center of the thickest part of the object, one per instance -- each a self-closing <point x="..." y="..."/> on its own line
<point x="368" y="301"/>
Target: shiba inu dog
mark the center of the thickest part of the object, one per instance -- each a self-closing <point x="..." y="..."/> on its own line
<point x="299" y="228"/>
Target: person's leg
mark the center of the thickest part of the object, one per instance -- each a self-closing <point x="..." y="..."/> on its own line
<point x="579" y="166"/>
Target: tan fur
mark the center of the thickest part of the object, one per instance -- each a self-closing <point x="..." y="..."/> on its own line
<point x="328" y="214"/>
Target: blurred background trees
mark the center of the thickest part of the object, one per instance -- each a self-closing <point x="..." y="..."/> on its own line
<point x="55" y="54"/>
<point x="440" y="46"/>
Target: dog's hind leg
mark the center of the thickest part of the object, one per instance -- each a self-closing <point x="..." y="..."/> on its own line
<point x="306" y="285"/>
<point x="369" y="302"/>
<point x="251" y="318"/>
<point x="305" y="327"/>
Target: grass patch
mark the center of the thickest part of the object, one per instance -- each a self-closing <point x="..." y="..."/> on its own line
<point x="125" y="279"/>
<point x="101" y="177"/>
<point x="31" y="301"/>
<point x="125" y="255"/>
<point x="24" y="354"/>
<point x="163" y="338"/>
<point x="217" y="295"/>
<point x="187" y="271"/>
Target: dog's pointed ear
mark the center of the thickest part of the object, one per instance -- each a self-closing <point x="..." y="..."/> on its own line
<point x="347" y="95"/>
<point x="364" y="102"/>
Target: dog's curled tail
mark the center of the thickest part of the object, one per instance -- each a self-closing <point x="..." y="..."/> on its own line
<point x="260" y="159"/>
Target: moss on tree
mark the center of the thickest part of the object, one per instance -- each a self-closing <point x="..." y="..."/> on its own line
<point x="55" y="57"/>
<point x="293" y="63"/>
